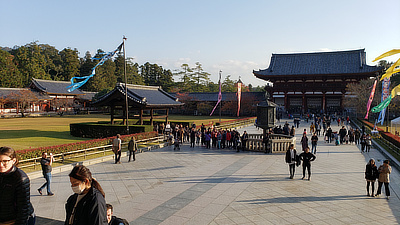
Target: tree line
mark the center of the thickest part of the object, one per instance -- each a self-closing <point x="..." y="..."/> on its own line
<point x="18" y="65"/>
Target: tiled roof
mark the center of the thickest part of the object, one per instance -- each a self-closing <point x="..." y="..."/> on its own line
<point x="54" y="87"/>
<point x="226" y="96"/>
<point x="4" y="92"/>
<point x="318" y="63"/>
<point x="146" y="96"/>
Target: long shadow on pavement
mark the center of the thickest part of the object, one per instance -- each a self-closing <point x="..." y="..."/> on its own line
<point x="47" y="221"/>
<point x="305" y="199"/>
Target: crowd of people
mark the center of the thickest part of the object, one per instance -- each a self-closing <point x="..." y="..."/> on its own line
<point x="210" y="137"/>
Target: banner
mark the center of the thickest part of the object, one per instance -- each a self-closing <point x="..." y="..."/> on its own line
<point x="385" y="95"/>
<point x="239" y="95"/>
<point x="371" y="97"/>
<point x="384" y="104"/>
<point x="219" y="95"/>
<point x="75" y="85"/>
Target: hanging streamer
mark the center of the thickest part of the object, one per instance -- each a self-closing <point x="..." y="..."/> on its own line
<point x="371" y="97"/>
<point x="239" y="96"/>
<point x="75" y="85"/>
<point x="219" y="95"/>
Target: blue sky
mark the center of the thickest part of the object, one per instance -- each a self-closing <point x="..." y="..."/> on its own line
<point x="236" y="37"/>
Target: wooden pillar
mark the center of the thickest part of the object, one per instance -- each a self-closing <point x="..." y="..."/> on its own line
<point x="324" y="102"/>
<point x="166" y="118"/>
<point x="304" y="102"/>
<point x="286" y="102"/>
<point x="141" y="117"/>
<point x="112" y="114"/>
<point x="151" y="117"/>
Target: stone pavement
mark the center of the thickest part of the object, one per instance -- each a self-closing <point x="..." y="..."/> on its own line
<point x="200" y="186"/>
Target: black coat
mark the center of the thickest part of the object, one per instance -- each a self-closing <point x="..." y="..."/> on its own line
<point x="288" y="158"/>
<point x="15" y="196"/>
<point x="371" y="172"/>
<point x="91" y="209"/>
<point x="307" y="158"/>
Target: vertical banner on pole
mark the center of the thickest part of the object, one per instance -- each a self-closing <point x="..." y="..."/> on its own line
<point x="385" y="95"/>
<point x="371" y="97"/>
<point x="239" y="95"/>
<point x="219" y="95"/>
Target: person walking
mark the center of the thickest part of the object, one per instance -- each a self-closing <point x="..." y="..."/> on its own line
<point x="357" y="135"/>
<point x="363" y="142"/>
<point x="292" y="131"/>
<point x="117" y="148"/>
<point x="245" y="138"/>
<point x="384" y="171"/>
<point x="304" y="142"/>
<point x="368" y="143"/>
<point x="46" y="163"/>
<point x="371" y="173"/>
<point x="314" y="141"/>
<point x="342" y="134"/>
<point x="87" y="205"/>
<point x="192" y="137"/>
<point x="132" y="147"/>
<point x="292" y="159"/>
<point x="329" y="134"/>
<point x="15" y="205"/>
<point x="307" y="157"/>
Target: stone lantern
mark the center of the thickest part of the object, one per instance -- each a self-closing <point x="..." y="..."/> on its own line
<point x="266" y="114"/>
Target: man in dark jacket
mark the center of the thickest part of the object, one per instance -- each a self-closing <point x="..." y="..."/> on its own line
<point x="132" y="147"/>
<point x="307" y="157"/>
<point x="342" y="134"/>
<point x="46" y="163"/>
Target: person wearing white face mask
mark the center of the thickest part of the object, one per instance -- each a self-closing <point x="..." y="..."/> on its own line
<point x="87" y="205"/>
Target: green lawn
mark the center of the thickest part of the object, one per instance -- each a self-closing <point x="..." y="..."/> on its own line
<point x="23" y="133"/>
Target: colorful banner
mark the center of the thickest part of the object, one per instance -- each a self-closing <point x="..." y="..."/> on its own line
<point x="384" y="104"/>
<point x="371" y="97"/>
<point x="219" y="95"/>
<point x="385" y="95"/>
<point x="239" y="95"/>
<point x="75" y="85"/>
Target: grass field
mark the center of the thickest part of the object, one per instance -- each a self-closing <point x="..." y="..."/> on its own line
<point x="23" y="133"/>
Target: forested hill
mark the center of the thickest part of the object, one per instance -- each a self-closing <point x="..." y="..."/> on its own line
<point x="18" y="65"/>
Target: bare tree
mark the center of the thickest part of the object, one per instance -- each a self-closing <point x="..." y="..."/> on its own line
<point x="23" y="98"/>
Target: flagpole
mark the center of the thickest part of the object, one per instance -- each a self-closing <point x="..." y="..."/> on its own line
<point x="126" y="90"/>
<point x="220" y="104"/>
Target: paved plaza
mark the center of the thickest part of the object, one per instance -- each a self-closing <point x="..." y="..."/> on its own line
<point x="211" y="186"/>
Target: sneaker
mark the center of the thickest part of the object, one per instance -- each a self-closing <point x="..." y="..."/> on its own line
<point x="50" y="194"/>
<point x="309" y="178"/>
<point x="387" y="197"/>
<point x="40" y="191"/>
<point x="302" y="178"/>
<point x="369" y="195"/>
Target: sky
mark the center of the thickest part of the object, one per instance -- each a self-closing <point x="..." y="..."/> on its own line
<point x="233" y="36"/>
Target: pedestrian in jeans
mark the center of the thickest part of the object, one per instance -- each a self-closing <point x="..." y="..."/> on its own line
<point x="371" y="173"/>
<point x="384" y="171"/>
<point x="117" y="149"/>
<point x="292" y="159"/>
<point x="368" y="143"/>
<point x="46" y="163"/>
<point x="314" y="140"/>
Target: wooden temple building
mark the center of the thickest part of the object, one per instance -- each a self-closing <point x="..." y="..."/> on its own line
<point x="143" y="101"/>
<point x="315" y="82"/>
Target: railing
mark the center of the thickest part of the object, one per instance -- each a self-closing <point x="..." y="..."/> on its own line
<point x="87" y="152"/>
<point x="277" y="143"/>
<point x="237" y="123"/>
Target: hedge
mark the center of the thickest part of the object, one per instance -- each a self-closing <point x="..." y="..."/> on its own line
<point x="100" y="130"/>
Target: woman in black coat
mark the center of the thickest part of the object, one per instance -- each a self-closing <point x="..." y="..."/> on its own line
<point x="15" y="205"/>
<point x="87" y="205"/>
<point x="371" y="174"/>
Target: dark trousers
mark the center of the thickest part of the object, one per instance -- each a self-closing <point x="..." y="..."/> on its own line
<point x="313" y="147"/>
<point x="192" y="142"/>
<point x="362" y="147"/>
<point x="367" y="148"/>
<point x="131" y="153"/>
<point x="292" y="169"/>
<point x="308" y="167"/>
<point x="372" y="186"/>
<point x="47" y="176"/>
<point x="244" y="144"/>
<point x="387" y="191"/>
<point x="117" y="156"/>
